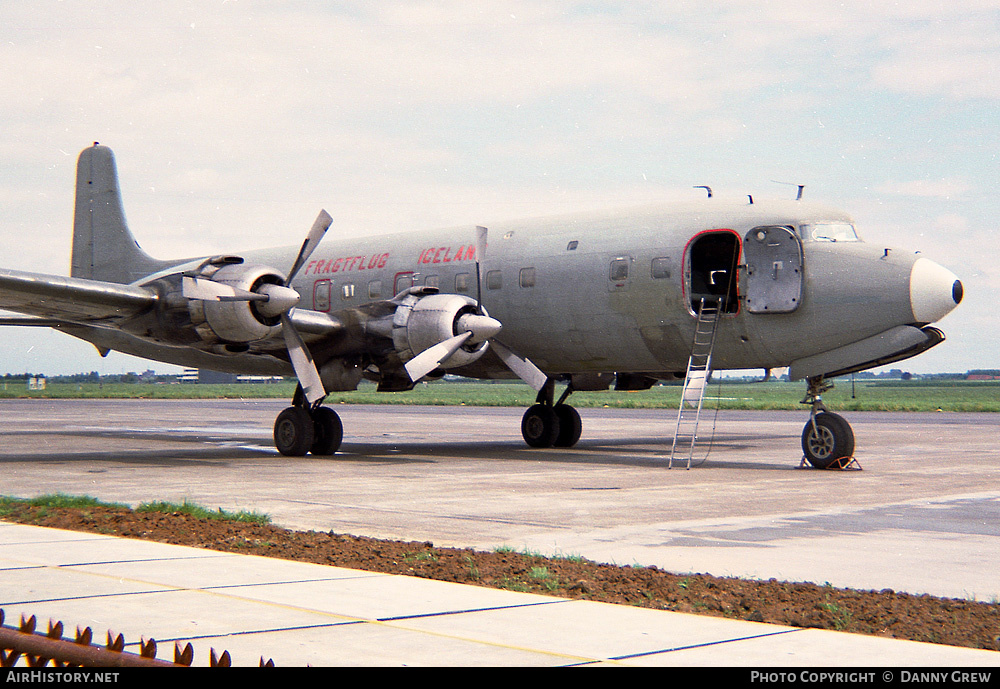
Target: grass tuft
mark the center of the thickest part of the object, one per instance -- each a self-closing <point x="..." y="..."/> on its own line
<point x="43" y="503"/>
<point x="54" y="501"/>
<point x="200" y="512"/>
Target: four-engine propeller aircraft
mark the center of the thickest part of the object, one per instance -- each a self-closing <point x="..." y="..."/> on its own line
<point x="584" y="299"/>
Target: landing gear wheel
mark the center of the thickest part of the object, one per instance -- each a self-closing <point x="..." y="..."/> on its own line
<point x="540" y="426"/>
<point x="293" y="432"/>
<point x="570" y="425"/>
<point x="829" y="441"/>
<point x="328" y="431"/>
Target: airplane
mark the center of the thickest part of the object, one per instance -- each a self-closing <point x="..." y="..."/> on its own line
<point x="584" y="300"/>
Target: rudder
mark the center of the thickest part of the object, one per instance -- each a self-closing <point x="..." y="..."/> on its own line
<point x="103" y="247"/>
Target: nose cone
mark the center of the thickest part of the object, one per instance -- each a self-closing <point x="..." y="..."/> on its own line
<point x="934" y="291"/>
<point x="279" y="300"/>
<point x="481" y="327"/>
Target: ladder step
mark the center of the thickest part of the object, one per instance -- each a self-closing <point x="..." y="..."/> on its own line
<point x="696" y="381"/>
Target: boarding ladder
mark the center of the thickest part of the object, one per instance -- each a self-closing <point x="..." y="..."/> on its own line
<point x="698" y="370"/>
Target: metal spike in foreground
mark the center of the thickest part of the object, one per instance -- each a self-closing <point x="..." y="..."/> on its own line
<point x="39" y="649"/>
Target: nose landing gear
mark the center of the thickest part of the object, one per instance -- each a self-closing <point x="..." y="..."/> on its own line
<point x="827" y="439"/>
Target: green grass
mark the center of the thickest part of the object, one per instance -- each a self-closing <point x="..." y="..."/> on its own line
<point x="54" y="501"/>
<point x="918" y="395"/>
<point x="203" y="513"/>
<point x="506" y="549"/>
<point x="60" y="500"/>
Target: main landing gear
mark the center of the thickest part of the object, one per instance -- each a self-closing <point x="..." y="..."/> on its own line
<point x="827" y="439"/>
<point x="551" y="424"/>
<point x="304" y="428"/>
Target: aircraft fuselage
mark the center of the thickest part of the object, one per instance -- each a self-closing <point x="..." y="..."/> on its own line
<point x="613" y="292"/>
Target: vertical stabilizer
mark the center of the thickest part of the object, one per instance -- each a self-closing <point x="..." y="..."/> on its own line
<point x="103" y="247"/>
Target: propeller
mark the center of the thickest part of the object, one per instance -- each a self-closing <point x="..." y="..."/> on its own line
<point x="279" y="299"/>
<point x="275" y="301"/>
<point x="473" y="328"/>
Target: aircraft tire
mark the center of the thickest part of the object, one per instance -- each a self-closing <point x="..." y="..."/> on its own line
<point x="293" y="432"/>
<point x="328" y="432"/>
<point x="540" y="426"/>
<point x="834" y="440"/>
<point x="570" y="426"/>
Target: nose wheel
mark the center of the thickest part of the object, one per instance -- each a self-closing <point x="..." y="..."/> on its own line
<point x="827" y="439"/>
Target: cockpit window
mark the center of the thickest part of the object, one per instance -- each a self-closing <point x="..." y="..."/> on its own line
<point x="830" y="232"/>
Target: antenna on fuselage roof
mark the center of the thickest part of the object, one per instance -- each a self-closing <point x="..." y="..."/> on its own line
<point x="798" y="196"/>
<point x="706" y="188"/>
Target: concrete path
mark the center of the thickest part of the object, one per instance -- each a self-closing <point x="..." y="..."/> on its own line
<point x="303" y="614"/>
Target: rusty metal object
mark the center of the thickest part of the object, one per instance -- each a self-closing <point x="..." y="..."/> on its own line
<point x="38" y="650"/>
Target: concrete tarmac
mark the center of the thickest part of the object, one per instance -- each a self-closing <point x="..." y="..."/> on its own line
<point x="921" y="516"/>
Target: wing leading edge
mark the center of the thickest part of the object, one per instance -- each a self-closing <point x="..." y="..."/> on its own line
<point x="57" y="299"/>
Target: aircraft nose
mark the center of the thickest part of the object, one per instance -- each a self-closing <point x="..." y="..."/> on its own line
<point x="934" y="291"/>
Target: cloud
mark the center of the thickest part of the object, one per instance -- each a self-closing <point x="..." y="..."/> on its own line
<point x="235" y="122"/>
<point x="927" y="188"/>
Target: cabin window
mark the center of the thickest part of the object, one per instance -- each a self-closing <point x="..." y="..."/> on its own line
<point x="347" y="292"/>
<point x="572" y="245"/>
<point x="660" y="268"/>
<point x="526" y="278"/>
<point x="432" y="281"/>
<point x="462" y="282"/>
<point x="321" y="295"/>
<point x="619" y="270"/>
<point x="494" y="280"/>
<point x="375" y="289"/>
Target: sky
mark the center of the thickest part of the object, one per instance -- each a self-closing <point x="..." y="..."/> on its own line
<point x="234" y="122"/>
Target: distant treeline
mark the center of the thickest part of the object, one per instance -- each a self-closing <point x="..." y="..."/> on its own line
<point x="92" y="377"/>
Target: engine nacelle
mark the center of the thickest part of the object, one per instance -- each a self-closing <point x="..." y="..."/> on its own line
<point x="422" y="321"/>
<point x="236" y="321"/>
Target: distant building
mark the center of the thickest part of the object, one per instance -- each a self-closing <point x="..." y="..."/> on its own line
<point x="215" y="377"/>
<point x="195" y="375"/>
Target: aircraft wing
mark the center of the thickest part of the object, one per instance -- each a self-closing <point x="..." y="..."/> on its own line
<point x="51" y="299"/>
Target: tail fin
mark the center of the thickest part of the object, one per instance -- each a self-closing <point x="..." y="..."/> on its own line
<point x="103" y="247"/>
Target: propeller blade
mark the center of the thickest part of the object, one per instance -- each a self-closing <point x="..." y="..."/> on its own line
<point x="481" y="243"/>
<point x="302" y="362"/>
<point x="429" y="359"/>
<point x="319" y="228"/>
<point x="209" y="290"/>
<point x="523" y="367"/>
